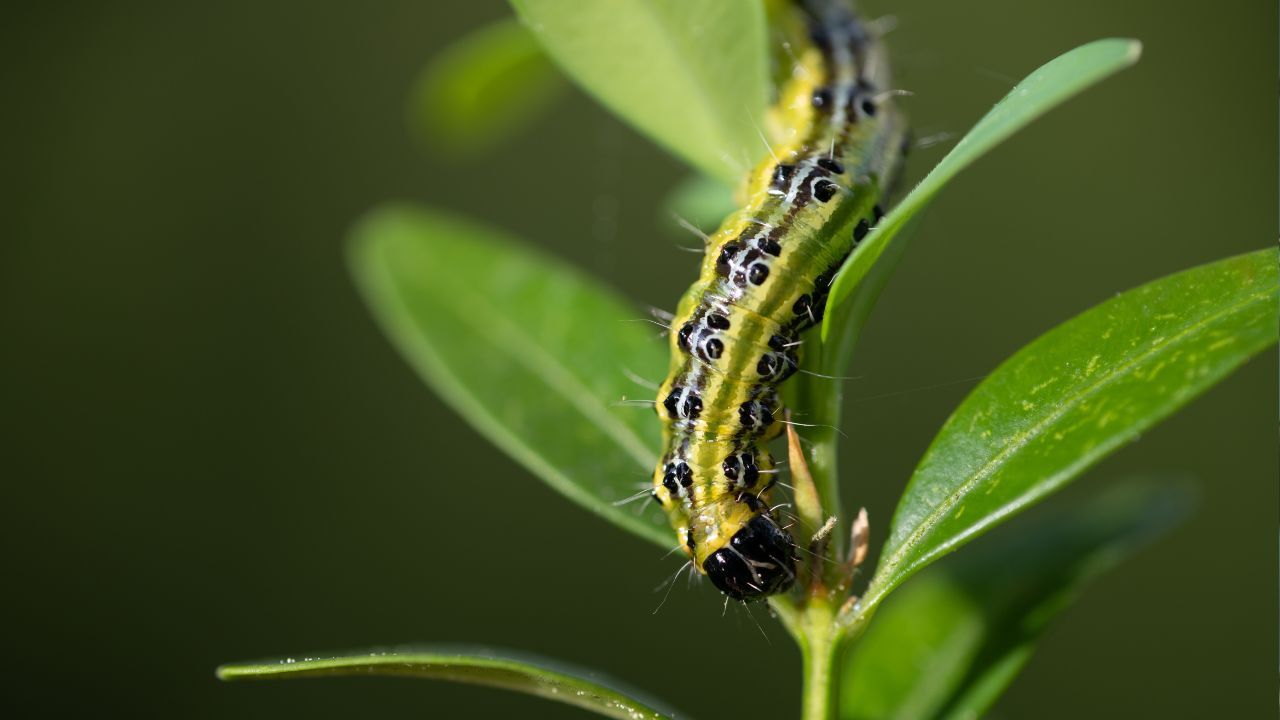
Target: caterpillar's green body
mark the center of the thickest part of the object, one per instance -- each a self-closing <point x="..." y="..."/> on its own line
<point x="735" y="336"/>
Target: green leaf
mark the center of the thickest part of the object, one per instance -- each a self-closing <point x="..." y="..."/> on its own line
<point x="1072" y="397"/>
<point x="480" y="90"/>
<point x="954" y="638"/>
<point x="690" y="74"/>
<point x="532" y="353"/>
<point x="1040" y="92"/>
<point x="700" y="201"/>
<point x="472" y="665"/>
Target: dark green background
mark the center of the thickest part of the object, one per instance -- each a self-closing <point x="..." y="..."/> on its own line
<point x="211" y="454"/>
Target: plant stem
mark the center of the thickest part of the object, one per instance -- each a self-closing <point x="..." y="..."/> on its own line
<point x="811" y="618"/>
<point x="819" y="645"/>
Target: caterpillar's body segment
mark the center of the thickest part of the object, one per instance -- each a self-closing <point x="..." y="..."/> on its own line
<point x="765" y="279"/>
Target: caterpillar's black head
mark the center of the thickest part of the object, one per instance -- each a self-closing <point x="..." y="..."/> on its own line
<point x="757" y="562"/>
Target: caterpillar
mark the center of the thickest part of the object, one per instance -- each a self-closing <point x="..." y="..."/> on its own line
<point x="764" y="279"/>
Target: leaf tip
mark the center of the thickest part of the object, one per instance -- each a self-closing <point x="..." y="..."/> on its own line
<point x="1133" y="50"/>
<point x="1124" y="51"/>
<point x="377" y="227"/>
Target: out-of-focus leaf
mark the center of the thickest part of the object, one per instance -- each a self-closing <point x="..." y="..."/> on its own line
<point x="532" y="353"/>
<point x="482" y="89"/>
<point x="1073" y="396"/>
<point x="953" y="639"/>
<point x="701" y="201"/>
<point x="1041" y="91"/>
<point x="471" y="665"/>
<point x="690" y="74"/>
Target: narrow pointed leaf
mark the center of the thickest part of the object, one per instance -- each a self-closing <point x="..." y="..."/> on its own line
<point x="483" y="88"/>
<point x="471" y="665"/>
<point x="1044" y="89"/>
<point x="529" y="351"/>
<point x="1072" y="397"/>
<point x="953" y="639"/>
<point x="690" y="74"/>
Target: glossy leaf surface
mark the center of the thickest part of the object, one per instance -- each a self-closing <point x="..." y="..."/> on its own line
<point x="471" y="665"/>
<point x="1041" y="91"/>
<point x="532" y="353"/>
<point x="1073" y="396"/>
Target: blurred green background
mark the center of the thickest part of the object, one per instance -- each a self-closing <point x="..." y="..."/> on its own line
<point x="213" y="455"/>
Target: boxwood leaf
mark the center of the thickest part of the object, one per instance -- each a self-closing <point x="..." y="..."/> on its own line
<point x="952" y="639"/>
<point x="1039" y="92"/>
<point x="701" y="201"/>
<point x="482" y="88"/>
<point x="532" y="353"/>
<point x="1072" y="397"/>
<point x="690" y="74"/>
<point x="473" y="665"/>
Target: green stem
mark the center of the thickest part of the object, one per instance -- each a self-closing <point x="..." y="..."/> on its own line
<point x="811" y="618"/>
<point x="819" y="646"/>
